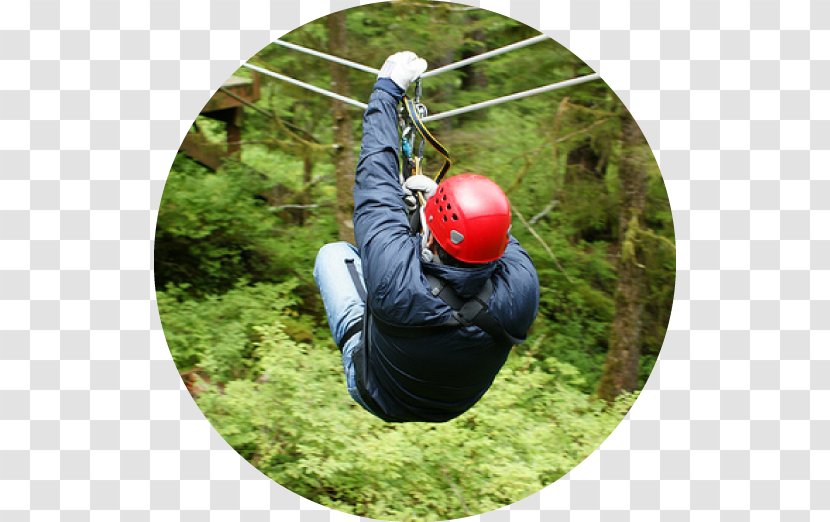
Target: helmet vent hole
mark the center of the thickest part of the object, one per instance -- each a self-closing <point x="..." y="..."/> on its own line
<point x="454" y="217"/>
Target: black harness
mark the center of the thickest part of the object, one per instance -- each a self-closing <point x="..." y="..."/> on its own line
<point x="465" y="313"/>
<point x="472" y="312"/>
<point x="361" y="291"/>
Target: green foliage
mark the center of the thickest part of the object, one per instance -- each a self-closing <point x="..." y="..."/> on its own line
<point x="212" y="228"/>
<point x="216" y="335"/>
<point x="292" y="418"/>
<point x="245" y="324"/>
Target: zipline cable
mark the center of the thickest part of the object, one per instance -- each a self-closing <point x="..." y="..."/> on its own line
<point x="434" y="72"/>
<point x="484" y="56"/>
<point x="439" y="116"/>
<point x="511" y="97"/>
<point x="304" y="85"/>
<point x="329" y="57"/>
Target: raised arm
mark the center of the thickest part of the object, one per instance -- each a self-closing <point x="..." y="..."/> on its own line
<point x="381" y="227"/>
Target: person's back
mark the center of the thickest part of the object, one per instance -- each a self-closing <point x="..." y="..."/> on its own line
<point x="412" y="359"/>
<point x="440" y="372"/>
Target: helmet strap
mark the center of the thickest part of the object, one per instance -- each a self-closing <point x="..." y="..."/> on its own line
<point x="424" y="228"/>
<point x="426" y="252"/>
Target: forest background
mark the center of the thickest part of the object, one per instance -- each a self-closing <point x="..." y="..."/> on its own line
<point x="245" y="325"/>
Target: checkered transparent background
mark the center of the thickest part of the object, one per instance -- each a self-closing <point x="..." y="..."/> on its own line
<point x="95" y="97"/>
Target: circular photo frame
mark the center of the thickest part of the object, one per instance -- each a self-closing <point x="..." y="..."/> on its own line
<point x="380" y="405"/>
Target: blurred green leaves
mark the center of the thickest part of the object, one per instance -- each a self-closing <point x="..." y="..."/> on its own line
<point x="289" y="414"/>
<point x="246" y="327"/>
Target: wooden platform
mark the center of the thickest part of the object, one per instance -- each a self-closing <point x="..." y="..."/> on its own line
<point x="227" y="108"/>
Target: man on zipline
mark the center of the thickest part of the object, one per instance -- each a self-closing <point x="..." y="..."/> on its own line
<point x="424" y="321"/>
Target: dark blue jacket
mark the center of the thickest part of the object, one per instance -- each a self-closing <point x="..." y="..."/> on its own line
<point x="437" y="376"/>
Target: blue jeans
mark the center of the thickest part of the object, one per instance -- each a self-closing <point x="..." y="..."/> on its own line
<point x="343" y="304"/>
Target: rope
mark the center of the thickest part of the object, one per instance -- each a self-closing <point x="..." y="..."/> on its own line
<point x="484" y="56"/>
<point x="304" y="85"/>
<point x="511" y="97"/>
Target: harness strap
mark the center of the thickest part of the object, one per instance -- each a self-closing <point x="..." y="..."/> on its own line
<point x="351" y="331"/>
<point x="361" y="354"/>
<point x="465" y="313"/>
<point x="356" y="279"/>
<point x="474" y="311"/>
<point x="357" y="326"/>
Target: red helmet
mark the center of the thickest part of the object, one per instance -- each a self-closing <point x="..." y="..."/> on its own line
<point x="469" y="215"/>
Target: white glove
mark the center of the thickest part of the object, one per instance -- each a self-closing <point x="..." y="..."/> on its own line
<point x="418" y="183"/>
<point x="403" y="68"/>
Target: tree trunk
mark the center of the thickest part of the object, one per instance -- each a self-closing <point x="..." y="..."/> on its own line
<point x="343" y="157"/>
<point x="305" y="196"/>
<point x="622" y="362"/>
<point x="473" y="76"/>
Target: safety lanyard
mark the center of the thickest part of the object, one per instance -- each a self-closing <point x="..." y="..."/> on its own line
<point x="413" y="111"/>
<point x="411" y="163"/>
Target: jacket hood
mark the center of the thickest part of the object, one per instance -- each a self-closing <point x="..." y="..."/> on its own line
<point x="466" y="282"/>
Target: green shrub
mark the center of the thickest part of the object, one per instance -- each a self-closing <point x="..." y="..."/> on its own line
<point x="283" y="405"/>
